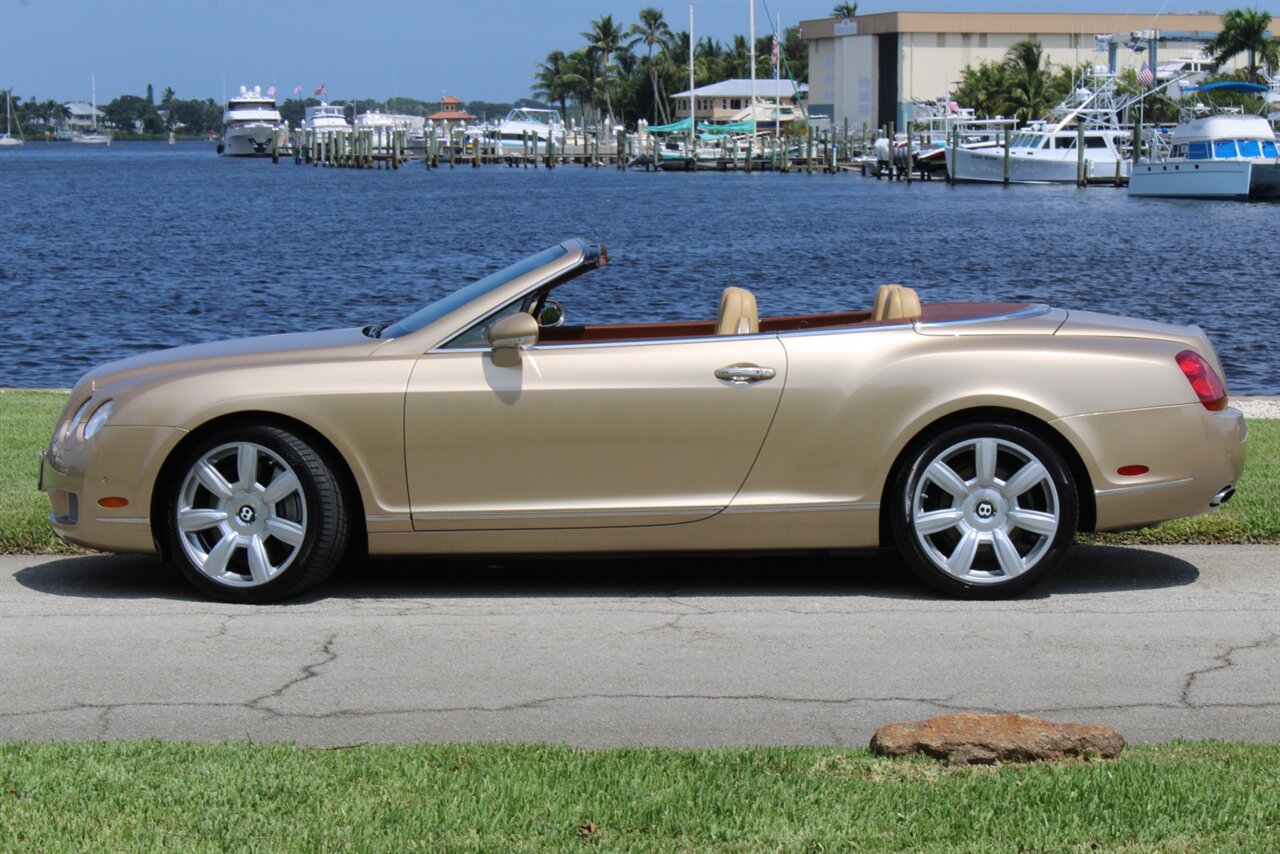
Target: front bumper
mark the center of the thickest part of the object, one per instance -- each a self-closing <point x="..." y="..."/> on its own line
<point x="119" y="462"/>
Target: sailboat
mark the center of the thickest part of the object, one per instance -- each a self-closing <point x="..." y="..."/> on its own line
<point x="6" y="139"/>
<point x="93" y="137"/>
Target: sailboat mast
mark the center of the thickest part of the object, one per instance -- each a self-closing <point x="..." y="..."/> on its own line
<point x="753" y="68"/>
<point x="693" y="123"/>
<point x="777" y="79"/>
<point x="93" y="97"/>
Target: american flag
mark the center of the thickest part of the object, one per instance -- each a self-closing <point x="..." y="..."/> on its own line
<point x="1146" y="76"/>
<point x="271" y="91"/>
<point x="297" y="90"/>
<point x="320" y="90"/>
<point x="774" y="54"/>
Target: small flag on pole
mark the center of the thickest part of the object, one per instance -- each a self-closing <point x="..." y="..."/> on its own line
<point x="271" y="91"/>
<point x="297" y="90"/>
<point x="774" y="53"/>
<point x="320" y="90"/>
<point x="1146" y="76"/>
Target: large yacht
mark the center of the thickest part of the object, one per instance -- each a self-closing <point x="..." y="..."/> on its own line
<point x="249" y="124"/>
<point x="324" y="117"/>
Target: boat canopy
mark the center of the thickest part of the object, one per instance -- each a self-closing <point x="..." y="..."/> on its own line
<point x="1230" y="86"/>
<point x="682" y="126"/>
<point x="733" y="127"/>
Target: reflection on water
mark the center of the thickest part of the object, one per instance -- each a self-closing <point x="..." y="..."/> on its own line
<point x="109" y="252"/>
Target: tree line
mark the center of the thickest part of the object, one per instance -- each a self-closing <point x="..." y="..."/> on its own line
<point x="630" y="71"/>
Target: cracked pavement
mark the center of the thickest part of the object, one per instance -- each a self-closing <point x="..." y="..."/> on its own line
<point x="1159" y="643"/>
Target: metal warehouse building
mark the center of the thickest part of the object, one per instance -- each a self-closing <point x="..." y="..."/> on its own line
<point x="869" y="67"/>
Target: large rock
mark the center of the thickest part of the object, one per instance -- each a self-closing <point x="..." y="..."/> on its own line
<point x="969" y="739"/>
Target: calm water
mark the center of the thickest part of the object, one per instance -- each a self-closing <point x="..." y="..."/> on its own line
<point x="109" y="252"/>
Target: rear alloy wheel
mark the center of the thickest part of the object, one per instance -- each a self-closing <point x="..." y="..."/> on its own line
<point x="984" y="510"/>
<point x="256" y="515"/>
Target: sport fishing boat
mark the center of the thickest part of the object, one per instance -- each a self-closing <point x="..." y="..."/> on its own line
<point x="530" y="123"/>
<point x="1048" y="151"/>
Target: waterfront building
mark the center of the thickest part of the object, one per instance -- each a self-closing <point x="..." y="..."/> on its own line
<point x="450" y="116"/>
<point x="870" y="68"/>
<point x="723" y="101"/>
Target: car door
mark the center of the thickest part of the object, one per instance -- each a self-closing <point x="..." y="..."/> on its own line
<point x="588" y="435"/>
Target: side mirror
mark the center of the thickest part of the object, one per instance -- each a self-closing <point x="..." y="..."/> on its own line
<point x="552" y="313"/>
<point x="509" y="335"/>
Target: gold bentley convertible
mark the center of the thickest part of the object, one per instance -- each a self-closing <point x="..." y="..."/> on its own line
<point x="976" y="438"/>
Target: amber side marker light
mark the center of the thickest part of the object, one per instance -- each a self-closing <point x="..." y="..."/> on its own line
<point x="113" y="502"/>
<point x="1132" y="471"/>
<point x="1204" y="382"/>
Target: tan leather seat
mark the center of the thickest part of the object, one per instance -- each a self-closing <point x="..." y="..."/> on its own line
<point x="894" y="302"/>
<point x="738" y="314"/>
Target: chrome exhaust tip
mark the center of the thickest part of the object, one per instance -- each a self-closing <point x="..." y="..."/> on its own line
<point x="1223" y="496"/>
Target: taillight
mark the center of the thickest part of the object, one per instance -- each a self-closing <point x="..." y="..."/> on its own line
<point x="1203" y="380"/>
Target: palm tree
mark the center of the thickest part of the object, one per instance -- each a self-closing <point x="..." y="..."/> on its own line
<point x="1245" y="31"/>
<point x="605" y="39"/>
<point x="844" y="10"/>
<point x="1027" y="81"/>
<point x="652" y="32"/>
<point x="555" y="80"/>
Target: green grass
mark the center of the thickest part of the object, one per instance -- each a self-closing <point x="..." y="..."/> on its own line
<point x="114" y="796"/>
<point x="27" y="420"/>
<point x="26" y="423"/>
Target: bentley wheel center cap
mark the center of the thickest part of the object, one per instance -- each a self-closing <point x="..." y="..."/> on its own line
<point x="246" y="514"/>
<point x="985" y="510"/>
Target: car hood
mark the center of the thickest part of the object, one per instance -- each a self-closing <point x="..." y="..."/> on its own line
<point x="267" y="349"/>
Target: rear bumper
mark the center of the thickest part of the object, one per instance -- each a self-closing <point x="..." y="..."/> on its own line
<point x="1193" y="455"/>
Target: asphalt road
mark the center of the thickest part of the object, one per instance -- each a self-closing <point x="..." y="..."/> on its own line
<point x="1159" y="643"/>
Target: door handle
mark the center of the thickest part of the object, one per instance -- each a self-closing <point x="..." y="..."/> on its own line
<point x="743" y="374"/>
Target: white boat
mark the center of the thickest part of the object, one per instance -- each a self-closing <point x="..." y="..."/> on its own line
<point x="382" y="128"/>
<point x="1047" y="152"/>
<point x="94" y="136"/>
<point x="6" y="140"/>
<point x="250" y="124"/>
<point x="530" y="123"/>
<point x="1224" y="156"/>
<point x="324" y="117"/>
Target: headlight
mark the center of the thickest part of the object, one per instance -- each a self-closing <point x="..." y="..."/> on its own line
<point x="97" y="419"/>
<point x="69" y="429"/>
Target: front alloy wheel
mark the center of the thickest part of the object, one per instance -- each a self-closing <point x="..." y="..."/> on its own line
<point x="257" y="515"/>
<point x="985" y="510"/>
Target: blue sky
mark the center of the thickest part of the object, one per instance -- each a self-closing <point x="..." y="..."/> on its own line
<point x="474" y="49"/>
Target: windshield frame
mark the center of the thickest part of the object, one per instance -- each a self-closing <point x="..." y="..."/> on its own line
<point x="450" y="303"/>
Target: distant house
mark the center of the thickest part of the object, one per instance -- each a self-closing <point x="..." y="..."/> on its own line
<point x="450" y="115"/>
<point x="723" y="101"/>
<point x="83" y="117"/>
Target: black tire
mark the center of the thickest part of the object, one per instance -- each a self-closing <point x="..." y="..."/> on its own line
<point x="990" y="533"/>
<point x="240" y="539"/>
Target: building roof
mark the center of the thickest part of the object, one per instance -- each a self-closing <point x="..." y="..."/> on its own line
<point x="450" y="116"/>
<point x="449" y="101"/>
<point x="737" y="89"/>
<point x="82" y="108"/>
<point x="1003" y="22"/>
